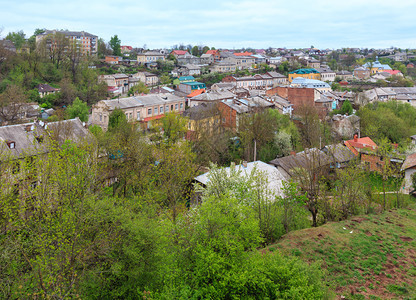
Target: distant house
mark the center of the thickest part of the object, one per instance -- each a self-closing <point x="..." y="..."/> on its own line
<point x="147" y="78"/>
<point x="365" y="149"/>
<point x="117" y="83"/>
<point x="313" y="63"/>
<point x="361" y="73"/>
<point x="177" y="53"/>
<point x="231" y="110"/>
<point x="204" y="117"/>
<point x="305" y="73"/>
<point x="143" y="109"/>
<point x="345" y="75"/>
<point x="409" y="168"/>
<point x="150" y="57"/>
<point x="114" y="60"/>
<point x="326" y="74"/>
<point x="188" y="87"/>
<point x="207" y="59"/>
<point x="46" y="89"/>
<point x="215" y="54"/>
<point x="274" y="177"/>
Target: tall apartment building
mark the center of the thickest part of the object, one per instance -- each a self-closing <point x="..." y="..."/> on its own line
<point x="87" y="42"/>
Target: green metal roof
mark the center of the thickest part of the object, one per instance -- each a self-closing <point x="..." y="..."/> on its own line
<point x="304" y="71"/>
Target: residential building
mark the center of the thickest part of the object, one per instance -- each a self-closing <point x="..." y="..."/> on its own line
<point x="345" y="75"/>
<point x="366" y="150"/>
<point x="402" y="94"/>
<point x="361" y="73"/>
<point x="204" y="117"/>
<point x="114" y="60"/>
<point x="207" y="59"/>
<point x="211" y="97"/>
<point x="150" y="57"/>
<point x="305" y="73"/>
<point x="46" y="89"/>
<point x="280" y="103"/>
<point x="147" y="78"/>
<point x="313" y="63"/>
<point x="376" y="67"/>
<point x="224" y="67"/>
<point x="311" y="84"/>
<point x="326" y="74"/>
<point x="231" y="110"/>
<point x="119" y="82"/>
<point x="192" y="69"/>
<point x="87" y="42"/>
<point x="144" y="108"/>
<point x="188" y="59"/>
<point x="215" y="54"/>
<point x="188" y="87"/>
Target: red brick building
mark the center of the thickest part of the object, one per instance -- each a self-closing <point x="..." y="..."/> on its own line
<point x="297" y="96"/>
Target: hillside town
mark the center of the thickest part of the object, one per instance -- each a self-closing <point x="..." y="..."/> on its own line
<point x="300" y="138"/>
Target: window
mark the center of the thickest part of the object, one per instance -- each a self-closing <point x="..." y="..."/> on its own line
<point x="138" y="115"/>
<point x="181" y="105"/>
<point x="155" y="111"/>
<point x="127" y="115"/>
<point x="161" y="109"/>
<point x="101" y="117"/>
<point x="176" y="106"/>
<point x="171" y="107"/>
<point x="167" y="108"/>
<point x="149" y="111"/>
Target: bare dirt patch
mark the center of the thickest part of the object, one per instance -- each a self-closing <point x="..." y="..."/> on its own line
<point x="406" y="239"/>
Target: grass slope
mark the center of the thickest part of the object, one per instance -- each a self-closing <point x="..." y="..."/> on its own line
<point x="376" y="261"/>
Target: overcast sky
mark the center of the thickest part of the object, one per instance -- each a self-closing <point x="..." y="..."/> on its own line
<point x="224" y="24"/>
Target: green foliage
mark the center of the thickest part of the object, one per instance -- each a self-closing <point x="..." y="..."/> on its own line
<point x="18" y="38"/>
<point x="116" y="119"/>
<point x="78" y="109"/>
<point x="393" y="120"/>
<point x="115" y="44"/>
<point x="346" y="108"/>
<point x="139" y="88"/>
<point x="174" y="127"/>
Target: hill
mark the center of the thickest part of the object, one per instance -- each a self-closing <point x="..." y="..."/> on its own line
<point x="366" y="257"/>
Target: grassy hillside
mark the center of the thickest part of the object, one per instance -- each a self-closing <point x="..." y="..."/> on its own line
<point x="366" y="257"/>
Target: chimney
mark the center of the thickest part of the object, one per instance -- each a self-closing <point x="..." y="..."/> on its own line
<point x="244" y="164"/>
<point x="355" y="138"/>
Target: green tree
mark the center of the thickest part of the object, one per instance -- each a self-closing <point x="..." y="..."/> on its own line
<point x="78" y="109"/>
<point x="116" y="119"/>
<point x="174" y="127"/>
<point x="139" y="88"/>
<point x="165" y="79"/>
<point x="205" y="49"/>
<point x="115" y="44"/>
<point x="195" y="51"/>
<point x="346" y="108"/>
<point x="18" y="38"/>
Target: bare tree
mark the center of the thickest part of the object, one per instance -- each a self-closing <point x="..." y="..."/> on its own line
<point x="12" y="103"/>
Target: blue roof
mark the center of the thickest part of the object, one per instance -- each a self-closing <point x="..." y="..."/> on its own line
<point x="186" y="78"/>
<point x="310" y="83"/>
<point x="304" y="71"/>
<point x="377" y="64"/>
<point x="194" y="83"/>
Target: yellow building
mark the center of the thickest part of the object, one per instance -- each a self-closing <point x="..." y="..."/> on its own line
<point x="203" y="118"/>
<point x="305" y="73"/>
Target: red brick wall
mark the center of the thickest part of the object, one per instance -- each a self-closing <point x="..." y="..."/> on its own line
<point x="228" y="115"/>
<point x="297" y="96"/>
<point x="374" y="162"/>
<point x="228" y="79"/>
